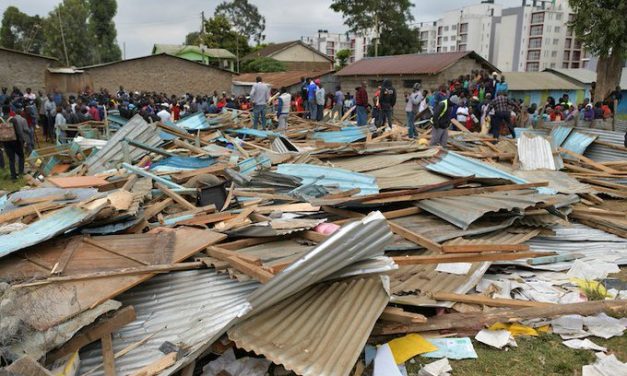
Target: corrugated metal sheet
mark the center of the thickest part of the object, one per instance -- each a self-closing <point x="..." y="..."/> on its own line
<point x="82" y="194"/>
<point x="111" y="155"/>
<point x="464" y="210"/>
<point x="577" y="142"/>
<point x="559" y="181"/>
<point x="250" y="165"/>
<point x="319" y="332"/>
<point x="407" y="176"/>
<point x="526" y="81"/>
<point x="259" y="133"/>
<point x="195" y="122"/>
<point x="520" y="131"/>
<point x="346" y="135"/>
<point x="409" y="64"/>
<point x="280" y="79"/>
<point x="453" y="164"/>
<point x="179" y="163"/>
<point x="559" y="134"/>
<point x="602" y="153"/>
<point x="331" y="177"/>
<point x="354" y="242"/>
<point x="584" y="76"/>
<point x="367" y="163"/>
<point x="536" y="153"/>
<point x="192" y="308"/>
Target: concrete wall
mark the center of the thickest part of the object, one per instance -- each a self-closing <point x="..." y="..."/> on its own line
<point x="299" y="53"/>
<point x="22" y="70"/>
<point x="160" y="73"/>
<point x="69" y="84"/>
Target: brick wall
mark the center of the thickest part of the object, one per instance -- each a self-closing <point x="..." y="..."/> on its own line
<point x="312" y="66"/>
<point x="22" y="70"/>
<point x="160" y="73"/>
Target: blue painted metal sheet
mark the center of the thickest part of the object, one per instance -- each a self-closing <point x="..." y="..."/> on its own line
<point x="346" y="135"/>
<point x="253" y="132"/>
<point x="578" y="142"/>
<point x="195" y="122"/>
<point x="331" y="177"/>
<point x="177" y="163"/>
<point x="82" y="194"/>
<point x="248" y="166"/>
<point x="559" y="134"/>
<point x="116" y="121"/>
<point x="452" y="164"/>
<point x="46" y="228"/>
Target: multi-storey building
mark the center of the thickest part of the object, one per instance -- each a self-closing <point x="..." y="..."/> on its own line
<point x="331" y="43"/>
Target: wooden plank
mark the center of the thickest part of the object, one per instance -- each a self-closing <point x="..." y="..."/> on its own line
<point x="485" y="300"/>
<point x="176" y="197"/>
<point x="287" y="208"/>
<point x="253" y="271"/>
<point x="396" y="314"/>
<point x="188" y="370"/>
<point x="240" y="220"/>
<point x="123" y="352"/>
<point x="77" y="181"/>
<point x="163" y="248"/>
<point x="208" y="218"/>
<point x="415" y="238"/>
<point x="90" y="241"/>
<point x="28" y="210"/>
<point x="130" y="182"/>
<point x="224" y="255"/>
<point x="245" y="243"/>
<point x="475" y="248"/>
<point x="93" y="332"/>
<point x="67" y="254"/>
<point x="157" y="366"/>
<point x="604" y="183"/>
<point x="589" y="161"/>
<point x="314" y="236"/>
<point x="452" y="258"/>
<point x="157" y="208"/>
<point x="36" y="200"/>
<point x="108" y="359"/>
<point x="27" y="366"/>
<point x="184" y="176"/>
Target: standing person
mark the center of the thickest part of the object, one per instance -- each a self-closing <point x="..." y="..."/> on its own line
<point x="338" y="103"/>
<point x="59" y="123"/>
<point x="12" y="136"/>
<point x="28" y="139"/>
<point x="320" y="99"/>
<point x="50" y="109"/>
<point x="376" y="113"/>
<point x="441" y="120"/>
<point x="303" y="95"/>
<point x="502" y="85"/>
<point x="283" y="109"/>
<point x="259" y="95"/>
<point x="387" y="101"/>
<point x="502" y="113"/>
<point x="411" y="109"/>
<point x="164" y="115"/>
<point x="312" y="106"/>
<point x="361" y="103"/>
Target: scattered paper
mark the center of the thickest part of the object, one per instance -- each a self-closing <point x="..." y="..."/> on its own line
<point x="603" y="326"/>
<point x="569" y="326"/>
<point x="515" y="329"/>
<point x="584" y="344"/>
<point x="606" y="365"/>
<point x="438" y="368"/>
<point x="384" y="364"/>
<point x="229" y="364"/>
<point x="460" y="268"/>
<point x="592" y="269"/>
<point x="452" y="348"/>
<point x="405" y="348"/>
<point x="496" y="338"/>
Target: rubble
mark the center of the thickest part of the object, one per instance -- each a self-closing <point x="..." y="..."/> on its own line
<point x="208" y="245"/>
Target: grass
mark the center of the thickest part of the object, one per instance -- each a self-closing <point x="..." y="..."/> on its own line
<point x="622" y="116"/>
<point x="6" y="184"/>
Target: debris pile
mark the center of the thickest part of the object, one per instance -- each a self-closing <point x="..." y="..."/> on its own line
<point x="208" y="247"/>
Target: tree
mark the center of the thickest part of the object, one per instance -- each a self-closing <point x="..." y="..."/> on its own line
<point x="601" y="26"/>
<point x="21" y="32"/>
<point x="66" y="29"/>
<point x="219" y="34"/>
<point x="102" y="28"/>
<point x="342" y="57"/>
<point x="377" y="15"/>
<point x="264" y="65"/>
<point x="397" y="39"/>
<point x="244" y="17"/>
<point x="192" y="39"/>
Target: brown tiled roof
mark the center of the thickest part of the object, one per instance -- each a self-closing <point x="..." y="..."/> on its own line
<point x="410" y="64"/>
<point x="280" y="79"/>
<point x="276" y="47"/>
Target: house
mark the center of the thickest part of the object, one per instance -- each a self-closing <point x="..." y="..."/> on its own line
<point x="295" y="55"/>
<point x="431" y="70"/>
<point x="579" y="76"/>
<point x="218" y="57"/>
<point x="67" y="80"/>
<point x="160" y="73"/>
<point x="291" y="80"/>
<point x="24" y="69"/>
<point x="536" y="87"/>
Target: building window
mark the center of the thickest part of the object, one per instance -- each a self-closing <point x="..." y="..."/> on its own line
<point x="535" y="30"/>
<point x="574" y="65"/>
<point x="444" y="49"/>
<point x="445" y="28"/>
<point x="445" y="39"/>
<point x="552" y="65"/>
<point x="454" y="27"/>
<point x="577" y="45"/>
<point x="462" y="47"/>
<point x="452" y="49"/>
<point x="576" y="55"/>
<point x="408" y="84"/>
<point x="565" y="65"/>
<point x="548" y="29"/>
<point x="453" y="38"/>
<point x="537" y="18"/>
<point x="439" y="40"/>
<point x="553" y="53"/>
<point x="535" y="43"/>
<point x="557" y="29"/>
<point x="463" y="38"/>
<point x="566" y="55"/>
<point x="558" y="16"/>
<point x="533" y="55"/>
<point x="556" y="41"/>
<point x="533" y="67"/>
<point x="568" y="43"/>
<point x="463" y="28"/>
<point x="424" y="35"/>
<point x="569" y="32"/>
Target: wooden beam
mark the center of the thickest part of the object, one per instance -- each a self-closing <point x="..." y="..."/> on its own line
<point x="452" y="258"/>
<point x="253" y="271"/>
<point x="314" y="236"/>
<point x="475" y="248"/>
<point x="93" y="333"/>
<point x="28" y="210"/>
<point x="26" y="366"/>
<point x="184" y="176"/>
<point x="66" y="255"/>
<point x="43" y="199"/>
<point x="396" y="314"/>
<point x="415" y="238"/>
<point x="157" y="208"/>
<point x="108" y="358"/>
<point x="484" y="300"/>
<point x="589" y="161"/>
<point x="225" y="254"/>
<point x="176" y="197"/>
<point x="208" y="218"/>
<point x="245" y="243"/>
<point x="96" y="244"/>
<point x="157" y="366"/>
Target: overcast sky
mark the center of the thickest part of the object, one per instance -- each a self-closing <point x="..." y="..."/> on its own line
<point x="141" y="23"/>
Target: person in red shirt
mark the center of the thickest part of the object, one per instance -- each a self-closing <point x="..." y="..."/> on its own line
<point x="361" y="103"/>
<point x="221" y="103"/>
<point x="298" y="103"/>
<point x="607" y="111"/>
<point x="244" y="104"/>
<point x="176" y="112"/>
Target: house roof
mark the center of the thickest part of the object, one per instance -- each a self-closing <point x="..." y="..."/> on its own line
<point x="275" y="48"/>
<point x="582" y="76"/>
<point x="278" y="79"/>
<point x="151" y="56"/>
<point x="520" y="81"/>
<point x="28" y="54"/>
<point x="410" y="64"/>
<point x="176" y="49"/>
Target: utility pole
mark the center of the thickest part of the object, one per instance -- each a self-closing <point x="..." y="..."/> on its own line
<point x="202" y="33"/>
<point x="377" y="30"/>
<point x="124" y="48"/>
<point x="67" y="61"/>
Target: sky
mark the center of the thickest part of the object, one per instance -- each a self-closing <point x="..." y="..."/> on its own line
<point x="142" y="23"/>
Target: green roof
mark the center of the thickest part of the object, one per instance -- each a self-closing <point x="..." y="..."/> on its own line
<point x="180" y="49"/>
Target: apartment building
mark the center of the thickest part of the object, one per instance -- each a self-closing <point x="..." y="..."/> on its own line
<point x="331" y="43"/>
<point x="536" y="36"/>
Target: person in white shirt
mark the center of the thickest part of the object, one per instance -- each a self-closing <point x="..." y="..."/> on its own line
<point x="164" y="115"/>
<point x="462" y="113"/>
<point x="411" y="108"/>
<point x="283" y="108"/>
<point x="259" y="95"/>
<point x="59" y="125"/>
<point x="321" y="96"/>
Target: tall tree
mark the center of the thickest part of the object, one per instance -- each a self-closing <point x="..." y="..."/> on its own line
<point x="244" y="17"/>
<point x="342" y="57"/>
<point x="397" y="39"/>
<point x="601" y="25"/>
<point x="66" y="30"/>
<point x="21" y="32"/>
<point x="374" y="15"/>
<point x="192" y="38"/>
<point x="220" y="34"/>
<point x="102" y="28"/>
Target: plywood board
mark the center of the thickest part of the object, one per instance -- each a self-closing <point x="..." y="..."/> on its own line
<point x="77" y="181"/>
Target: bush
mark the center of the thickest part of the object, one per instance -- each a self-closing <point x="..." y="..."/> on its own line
<point x="263" y="65"/>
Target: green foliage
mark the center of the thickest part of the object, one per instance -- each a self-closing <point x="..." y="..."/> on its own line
<point x="192" y="39"/>
<point x="342" y="57"/>
<point x="264" y="65"/>
<point x="21" y="32"/>
<point x="72" y="15"/>
<point x="220" y="34"/>
<point x="245" y="18"/>
<point x="601" y="25"/>
<point x="397" y="39"/>
<point x="102" y="28"/>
